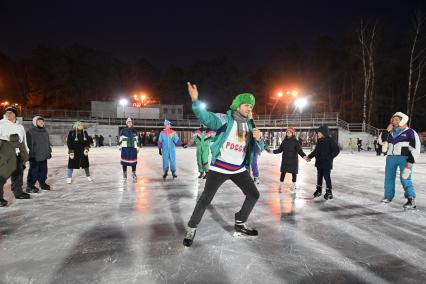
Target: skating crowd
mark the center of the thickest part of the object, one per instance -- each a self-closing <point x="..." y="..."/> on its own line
<point x="228" y="147"/>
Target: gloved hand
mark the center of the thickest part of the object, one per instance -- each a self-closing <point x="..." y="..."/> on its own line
<point x="159" y="152"/>
<point x="71" y="155"/>
<point x="50" y="156"/>
<point x="86" y="152"/>
<point x="407" y="171"/>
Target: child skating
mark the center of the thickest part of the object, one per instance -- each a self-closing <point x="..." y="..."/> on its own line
<point x="325" y="151"/>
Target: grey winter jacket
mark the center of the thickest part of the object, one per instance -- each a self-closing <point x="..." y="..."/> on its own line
<point x="39" y="144"/>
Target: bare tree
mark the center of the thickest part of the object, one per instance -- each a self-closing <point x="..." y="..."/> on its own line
<point x="366" y="37"/>
<point x="417" y="62"/>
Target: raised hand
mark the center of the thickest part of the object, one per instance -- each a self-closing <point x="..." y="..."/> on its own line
<point x="193" y="92"/>
<point x="256" y="134"/>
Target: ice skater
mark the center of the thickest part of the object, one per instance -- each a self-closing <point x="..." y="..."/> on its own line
<point x="325" y="151"/>
<point x="202" y="138"/>
<point x="12" y="162"/>
<point x="351" y="145"/>
<point x="403" y="149"/>
<point x="232" y="153"/>
<point x="128" y="144"/>
<point x="167" y="142"/>
<point x="78" y="143"/>
<point x="291" y="150"/>
<point x="40" y="151"/>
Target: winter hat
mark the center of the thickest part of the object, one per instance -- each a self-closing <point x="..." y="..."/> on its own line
<point x="167" y="122"/>
<point x="324" y="130"/>
<point x="292" y="130"/>
<point x="403" y="116"/>
<point x="12" y="109"/>
<point x="37" y="117"/>
<point x="78" y="125"/>
<point x="245" y="98"/>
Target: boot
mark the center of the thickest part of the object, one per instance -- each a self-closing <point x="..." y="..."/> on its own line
<point x="328" y="194"/>
<point x="23" y="195"/>
<point x="174" y="175"/>
<point x="32" y="189"/>
<point x="201" y="175"/>
<point x="165" y="175"/>
<point x="44" y="186"/>
<point x="318" y="192"/>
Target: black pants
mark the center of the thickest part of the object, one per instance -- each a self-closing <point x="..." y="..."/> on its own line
<point x="293" y="177"/>
<point x="213" y="182"/>
<point x="125" y="168"/>
<point x="17" y="179"/>
<point x="324" y="174"/>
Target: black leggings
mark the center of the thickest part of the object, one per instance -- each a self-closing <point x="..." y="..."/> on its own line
<point x="133" y="168"/>
<point x="214" y="181"/>
<point x="293" y="177"/>
<point x="324" y="174"/>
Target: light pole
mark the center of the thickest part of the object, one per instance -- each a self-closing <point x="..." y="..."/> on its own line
<point x="123" y="103"/>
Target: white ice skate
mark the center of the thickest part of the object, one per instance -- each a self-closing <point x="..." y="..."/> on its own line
<point x="89" y="178"/>
<point x="69" y="180"/>
<point x="293" y="187"/>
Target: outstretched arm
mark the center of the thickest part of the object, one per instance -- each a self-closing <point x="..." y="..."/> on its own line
<point x="207" y="118"/>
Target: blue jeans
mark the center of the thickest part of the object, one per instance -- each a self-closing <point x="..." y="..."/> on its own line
<point x="392" y="163"/>
<point x="70" y="171"/>
<point x="37" y="172"/>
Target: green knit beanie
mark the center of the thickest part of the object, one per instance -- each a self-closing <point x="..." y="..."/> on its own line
<point x="245" y="98"/>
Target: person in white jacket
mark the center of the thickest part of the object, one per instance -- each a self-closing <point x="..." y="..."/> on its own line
<point x="9" y="126"/>
<point x="402" y="145"/>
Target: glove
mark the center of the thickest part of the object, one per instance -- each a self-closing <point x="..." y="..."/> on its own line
<point x="159" y="151"/>
<point x="406" y="173"/>
<point x="50" y="156"/>
<point x="385" y="147"/>
<point x="86" y="152"/>
<point x="71" y="155"/>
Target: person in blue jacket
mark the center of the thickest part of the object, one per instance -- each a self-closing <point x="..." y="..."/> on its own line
<point x="167" y="142"/>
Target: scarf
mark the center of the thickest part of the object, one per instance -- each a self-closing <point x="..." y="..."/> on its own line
<point x="240" y="120"/>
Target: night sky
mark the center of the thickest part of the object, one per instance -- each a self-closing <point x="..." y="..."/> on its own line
<point x="182" y="32"/>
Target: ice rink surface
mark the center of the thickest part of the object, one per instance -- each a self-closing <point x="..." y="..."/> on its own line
<point x="107" y="231"/>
